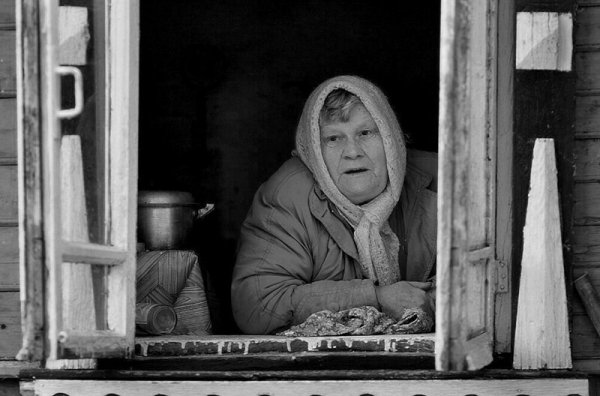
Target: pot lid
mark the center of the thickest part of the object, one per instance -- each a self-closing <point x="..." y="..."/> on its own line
<point x="165" y="197"/>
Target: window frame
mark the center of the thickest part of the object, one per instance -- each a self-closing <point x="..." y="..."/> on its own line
<point x="124" y="187"/>
<point x="39" y="146"/>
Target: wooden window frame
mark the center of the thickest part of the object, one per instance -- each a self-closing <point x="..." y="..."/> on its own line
<point x="123" y="118"/>
<point x="39" y="145"/>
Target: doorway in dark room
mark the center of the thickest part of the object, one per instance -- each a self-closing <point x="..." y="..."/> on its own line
<point x="223" y="83"/>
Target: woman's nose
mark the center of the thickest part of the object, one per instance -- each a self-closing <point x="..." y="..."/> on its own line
<point x="353" y="149"/>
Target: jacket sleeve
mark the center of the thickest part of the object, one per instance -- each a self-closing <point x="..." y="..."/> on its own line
<point x="271" y="284"/>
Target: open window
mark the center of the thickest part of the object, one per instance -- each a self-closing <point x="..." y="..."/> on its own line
<point x="467" y="206"/>
<point x="84" y="170"/>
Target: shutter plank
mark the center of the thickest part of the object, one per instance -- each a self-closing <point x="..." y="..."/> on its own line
<point x="8" y="76"/>
<point x="8" y="128"/>
<point x="587" y="160"/>
<point x="586" y="208"/>
<point x="586" y="64"/>
<point x="9" y="244"/>
<point x="586" y="248"/>
<point x="7" y="14"/>
<point x="9" y="276"/>
<point x="588" y="26"/>
<point x="10" y="324"/>
<point x="8" y="194"/>
<point x="587" y="116"/>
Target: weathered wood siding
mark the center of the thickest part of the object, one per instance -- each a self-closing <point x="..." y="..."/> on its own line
<point x="10" y="326"/>
<point x="586" y="209"/>
<point x="544" y="107"/>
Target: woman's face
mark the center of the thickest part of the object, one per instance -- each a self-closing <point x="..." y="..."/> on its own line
<point x="354" y="155"/>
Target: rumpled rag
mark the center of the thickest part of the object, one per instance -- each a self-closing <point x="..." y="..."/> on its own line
<point x="366" y="320"/>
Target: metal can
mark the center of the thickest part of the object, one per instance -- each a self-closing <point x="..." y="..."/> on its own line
<point x="155" y="319"/>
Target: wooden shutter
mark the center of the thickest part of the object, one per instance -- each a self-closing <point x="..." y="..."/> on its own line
<point x="467" y="195"/>
<point x="81" y="274"/>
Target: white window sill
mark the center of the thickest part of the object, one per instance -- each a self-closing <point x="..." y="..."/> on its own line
<point x="253" y="344"/>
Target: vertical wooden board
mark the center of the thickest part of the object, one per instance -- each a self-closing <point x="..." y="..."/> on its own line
<point x="8" y="78"/>
<point x="123" y="164"/>
<point x="541" y="329"/>
<point x="9" y="244"/>
<point x="504" y="214"/>
<point x="10" y="324"/>
<point x="587" y="113"/>
<point x="9" y="276"/>
<point x="585" y="339"/>
<point x="544" y="41"/>
<point x="588" y="26"/>
<point x="478" y="136"/>
<point x="586" y="67"/>
<point x="452" y="243"/>
<point x="587" y="159"/>
<point x="8" y="128"/>
<point x="477" y="297"/>
<point x="586" y="210"/>
<point x="7" y="13"/>
<point x="8" y="193"/>
<point x="594" y="381"/>
<point x="586" y="245"/>
<point x="544" y="104"/>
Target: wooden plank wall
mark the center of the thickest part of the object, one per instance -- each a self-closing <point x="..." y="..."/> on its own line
<point x="586" y="210"/>
<point x="10" y="325"/>
<point x="544" y="107"/>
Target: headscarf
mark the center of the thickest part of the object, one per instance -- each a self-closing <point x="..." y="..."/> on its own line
<point x="376" y="243"/>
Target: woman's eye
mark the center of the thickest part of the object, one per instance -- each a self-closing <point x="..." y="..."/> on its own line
<point x="332" y="140"/>
<point x="366" y="132"/>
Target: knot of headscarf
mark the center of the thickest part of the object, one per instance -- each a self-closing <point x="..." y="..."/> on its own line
<point x="376" y="243"/>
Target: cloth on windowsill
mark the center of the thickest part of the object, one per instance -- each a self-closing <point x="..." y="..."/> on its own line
<point x="365" y="320"/>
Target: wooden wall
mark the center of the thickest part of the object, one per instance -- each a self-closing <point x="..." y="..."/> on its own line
<point x="10" y="326"/>
<point x="586" y="210"/>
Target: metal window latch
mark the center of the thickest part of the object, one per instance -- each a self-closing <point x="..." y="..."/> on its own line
<point x="501" y="276"/>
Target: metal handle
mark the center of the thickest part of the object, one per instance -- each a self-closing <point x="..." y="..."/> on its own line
<point x="76" y="110"/>
<point x="200" y="213"/>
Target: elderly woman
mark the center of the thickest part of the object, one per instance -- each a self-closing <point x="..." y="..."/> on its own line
<point x="349" y="221"/>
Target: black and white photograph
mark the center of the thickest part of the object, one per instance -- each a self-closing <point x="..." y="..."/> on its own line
<point x="303" y="197"/>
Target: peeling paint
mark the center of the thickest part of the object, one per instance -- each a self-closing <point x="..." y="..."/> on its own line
<point x="251" y="345"/>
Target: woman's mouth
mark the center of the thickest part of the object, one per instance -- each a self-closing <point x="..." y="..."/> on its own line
<point x="355" y="171"/>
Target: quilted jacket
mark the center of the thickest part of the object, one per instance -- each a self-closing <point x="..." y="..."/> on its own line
<point x="297" y="255"/>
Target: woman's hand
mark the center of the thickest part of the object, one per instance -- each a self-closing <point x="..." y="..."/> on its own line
<point x="396" y="298"/>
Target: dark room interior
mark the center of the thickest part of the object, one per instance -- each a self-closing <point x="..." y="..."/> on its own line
<point x="223" y="83"/>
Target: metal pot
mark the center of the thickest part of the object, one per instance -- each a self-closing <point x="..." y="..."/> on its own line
<point x="166" y="218"/>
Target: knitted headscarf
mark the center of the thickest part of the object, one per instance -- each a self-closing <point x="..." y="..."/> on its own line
<point x="377" y="244"/>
